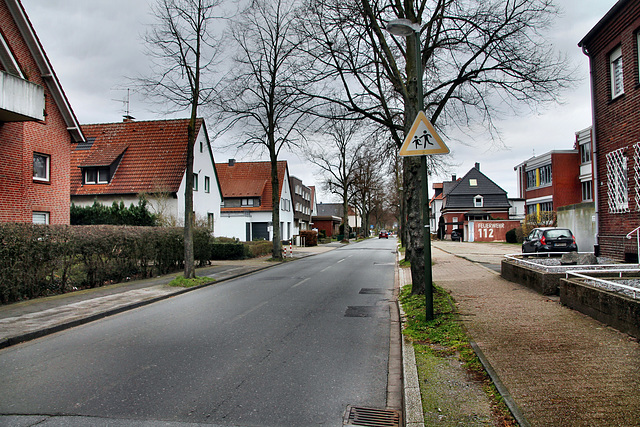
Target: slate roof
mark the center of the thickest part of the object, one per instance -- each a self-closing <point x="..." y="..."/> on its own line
<point x="154" y="156"/>
<point x="460" y="194"/>
<point x="249" y="179"/>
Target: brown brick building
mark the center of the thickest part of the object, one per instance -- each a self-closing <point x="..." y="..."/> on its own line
<point x="613" y="48"/>
<point x="37" y="126"/>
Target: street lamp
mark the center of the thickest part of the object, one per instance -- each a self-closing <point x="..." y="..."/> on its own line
<point x="406" y="28"/>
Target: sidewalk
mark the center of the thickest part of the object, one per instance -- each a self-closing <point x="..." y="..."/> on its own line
<point x="28" y="320"/>
<point x="561" y="368"/>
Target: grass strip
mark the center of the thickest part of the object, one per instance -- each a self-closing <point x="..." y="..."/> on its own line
<point x="441" y="339"/>
<point x="181" y="282"/>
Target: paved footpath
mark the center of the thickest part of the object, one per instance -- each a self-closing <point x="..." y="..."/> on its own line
<point x="562" y="368"/>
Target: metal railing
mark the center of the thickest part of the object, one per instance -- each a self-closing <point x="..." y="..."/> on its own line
<point x="562" y="268"/>
<point x="637" y="231"/>
<point x="584" y="274"/>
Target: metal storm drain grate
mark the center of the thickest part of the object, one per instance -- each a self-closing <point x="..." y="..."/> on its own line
<point x="369" y="417"/>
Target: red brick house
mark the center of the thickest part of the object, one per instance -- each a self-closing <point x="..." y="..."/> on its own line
<point x="37" y="126"/>
<point x="613" y="48"/>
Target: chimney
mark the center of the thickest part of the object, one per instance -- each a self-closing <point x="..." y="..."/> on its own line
<point x="453" y="178"/>
<point x="232" y="162"/>
<point x="477" y="165"/>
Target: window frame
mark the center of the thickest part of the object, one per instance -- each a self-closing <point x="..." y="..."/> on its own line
<point x="47" y="165"/>
<point x="614" y="57"/>
<point x="47" y="217"/>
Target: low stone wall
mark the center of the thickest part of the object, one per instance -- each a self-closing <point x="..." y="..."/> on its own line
<point x="540" y="281"/>
<point x="618" y="311"/>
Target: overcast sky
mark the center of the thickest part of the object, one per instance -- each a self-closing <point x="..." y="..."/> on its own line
<point x="94" y="45"/>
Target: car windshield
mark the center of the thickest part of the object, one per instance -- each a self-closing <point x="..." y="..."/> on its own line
<point x="558" y="234"/>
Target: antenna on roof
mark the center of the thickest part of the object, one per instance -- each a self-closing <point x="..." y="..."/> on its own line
<point x="127" y="105"/>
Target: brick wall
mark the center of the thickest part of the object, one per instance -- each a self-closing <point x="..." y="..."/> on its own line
<point x="19" y="194"/>
<point x="617" y="124"/>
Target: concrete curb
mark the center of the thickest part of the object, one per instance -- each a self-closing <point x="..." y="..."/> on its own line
<point x="412" y="399"/>
<point x="504" y="392"/>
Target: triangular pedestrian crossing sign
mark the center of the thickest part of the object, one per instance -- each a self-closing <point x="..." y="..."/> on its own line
<point x="422" y="139"/>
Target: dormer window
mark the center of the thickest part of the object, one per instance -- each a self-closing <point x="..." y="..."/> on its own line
<point x="478" y="201"/>
<point x="97" y="175"/>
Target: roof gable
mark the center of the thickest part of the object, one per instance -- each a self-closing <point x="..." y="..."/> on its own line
<point x="483" y="185"/>
<point x="154" y="156"/>
<point x="250" y="179"/>
<point x="462" y="193"/>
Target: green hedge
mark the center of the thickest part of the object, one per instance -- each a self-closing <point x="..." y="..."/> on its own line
<point x="39" y="260"/>
<point x="116" y="214"/>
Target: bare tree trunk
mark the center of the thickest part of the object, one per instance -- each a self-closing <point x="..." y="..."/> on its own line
<point x="275" y="205"/>
<point x="189" y="263"/>
<point x="345" y="215"/>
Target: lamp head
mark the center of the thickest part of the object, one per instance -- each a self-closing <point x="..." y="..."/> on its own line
<point x="402" y="27"/>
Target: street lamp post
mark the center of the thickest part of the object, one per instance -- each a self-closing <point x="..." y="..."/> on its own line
<point x="405" y="28"/>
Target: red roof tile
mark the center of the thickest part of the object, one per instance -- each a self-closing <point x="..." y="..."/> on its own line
<point x="155" y="156"/>
<point x="253" y="175"/>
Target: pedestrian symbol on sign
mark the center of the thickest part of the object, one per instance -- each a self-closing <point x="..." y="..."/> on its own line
<point x="422" y="139"/>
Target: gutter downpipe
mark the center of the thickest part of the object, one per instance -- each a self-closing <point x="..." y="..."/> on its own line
<point x="594" y="159"/>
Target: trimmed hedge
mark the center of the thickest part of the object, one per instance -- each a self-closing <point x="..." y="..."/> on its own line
<point x="310" y="237"/>
<point x="40" y="260"/>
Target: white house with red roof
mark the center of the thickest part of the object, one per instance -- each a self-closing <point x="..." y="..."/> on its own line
<point x="37" y="126"/>
<point x="246" y="213"/>
<point x="126" y="160"/>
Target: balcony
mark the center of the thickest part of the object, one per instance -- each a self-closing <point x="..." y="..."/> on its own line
<point x="20" y="100"/>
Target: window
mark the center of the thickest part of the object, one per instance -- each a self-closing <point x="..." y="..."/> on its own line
<point x="473" y="182"/>
<point x="585" y="152"/>
<point x="195" y="182"/>
<point x="247" y="202"/>
<point x="41" y="217"/>
<point x="636" y="172"/>
<point x="546" y="207"/>
<point x="617" y="185"/>
<point x="96" y="176"/>
<point x="545" y="175"/>
<point x="41" y="167"/>
<point x="478" y="202"/>
<point x="207" y="184"/>
<point x="210" y="220"/>
<point x="587" y="191"/>
<point x="615" y="60"/>
<point x="201" y="146"/>
<point x="531" y="179"/>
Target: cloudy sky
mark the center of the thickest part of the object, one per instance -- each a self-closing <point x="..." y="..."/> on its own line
<point x="94" y="45"/>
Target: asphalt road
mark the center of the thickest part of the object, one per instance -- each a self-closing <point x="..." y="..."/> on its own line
<point x="292" y="345"/>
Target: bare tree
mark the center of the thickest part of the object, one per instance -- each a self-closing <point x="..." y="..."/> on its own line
<point x="481" y="60"/>
<point x="264" y="99"/>
<point x="368" y="184"/>
<point x="183" y="50"/>
<point x="338" y="159"/>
